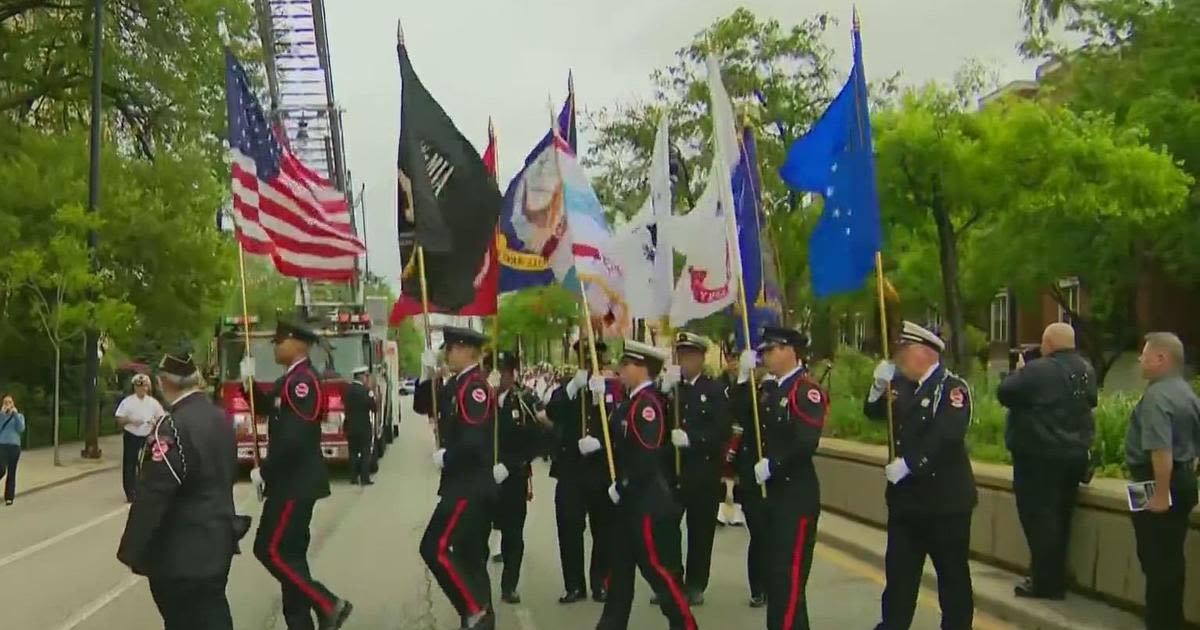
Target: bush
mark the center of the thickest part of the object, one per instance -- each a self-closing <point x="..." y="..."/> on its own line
<point x="850" y="378"/>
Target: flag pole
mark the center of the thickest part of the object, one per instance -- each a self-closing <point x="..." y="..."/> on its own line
<point x="668" y="333"/>
<point x="496" y="317"/>
<point x="246" y="329"/>
<point x="883" y="347"/>
<point x="433" y="380"/>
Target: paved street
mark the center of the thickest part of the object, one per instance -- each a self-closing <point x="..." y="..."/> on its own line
<point x="58" y="571"/>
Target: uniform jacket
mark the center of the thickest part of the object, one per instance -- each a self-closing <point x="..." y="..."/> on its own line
<point x="703" y="408"/>
<point x="931" y="424"/>
<point x="640" y="433"/>
<point x="520" y="434"/>
<point x="359" y="403"/>
<point x="465" y="425"/>
<point x="294" y="467"/>
<point x="568" y="417"/>
<point x="1050" y="404"/>
<point x="182" y="523"/>
<point x="792" y="414"/>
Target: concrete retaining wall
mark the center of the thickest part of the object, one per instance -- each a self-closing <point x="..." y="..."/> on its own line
<point x="1102" y="557"/>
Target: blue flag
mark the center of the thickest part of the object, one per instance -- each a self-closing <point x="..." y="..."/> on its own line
<point x="520" y="268"/>
<point x="834" y="159"/>
<point x="761" y="292"/>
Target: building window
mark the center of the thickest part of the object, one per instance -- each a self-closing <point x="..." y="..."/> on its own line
<point x="1069" y="289"/>
<point x="999" y="318"/>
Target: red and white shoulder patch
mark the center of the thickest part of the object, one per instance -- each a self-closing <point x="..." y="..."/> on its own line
<point x="648" y="414"/>
<point x="300" y="390"/>
<point x="479" y="395"/>
<point x="957" y="398"/>
<point x="814" y="396"/>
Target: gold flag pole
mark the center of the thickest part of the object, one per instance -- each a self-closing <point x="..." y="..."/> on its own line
<point x="246" y="329"/>
<point x="496" y="317"/>
<point x="433" y="381"/>
<point x="587" y="313"/>
<point x="669" y="334"/>
<point x="883" y="347"/>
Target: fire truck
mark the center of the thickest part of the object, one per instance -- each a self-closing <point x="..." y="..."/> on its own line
<point x="347" y="342"/>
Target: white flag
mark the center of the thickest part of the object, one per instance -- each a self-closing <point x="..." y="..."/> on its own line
<point x="643" y="244"/>
<point x="707" y="235"/>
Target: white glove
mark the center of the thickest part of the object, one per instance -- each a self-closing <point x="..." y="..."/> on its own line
<point x="589" y="445"/>
<point x="613" y="495"/>
<point x="897" y="470"/>
<point x="762" y="471"/>
<point x="256" y="478"/>
<point x="597" y="386"/>
<point x="499" y="473"/>
<point x="439" y="458"/>
<point x="884" y="372"/>
<point x="494" y="379"/>
<point x="429" y="363"/>
<point x="746" y="362"/>
<point x="679" y="438"/>
<point x="247" y="368"/>
<point x="576" y="383"/>
<point x="671" y="375"/>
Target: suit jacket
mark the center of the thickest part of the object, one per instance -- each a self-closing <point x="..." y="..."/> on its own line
<point x="640" y="434"/>
<point x="294" y="467"/>
<point x="360" y="403"/>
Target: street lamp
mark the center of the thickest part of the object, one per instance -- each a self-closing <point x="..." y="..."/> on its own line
<point x="91" y="446"/>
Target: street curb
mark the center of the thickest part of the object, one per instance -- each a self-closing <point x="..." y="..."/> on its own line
<point x="100" y="468"/>
<point x="1024" y="614"/>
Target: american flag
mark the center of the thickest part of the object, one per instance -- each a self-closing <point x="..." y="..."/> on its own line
<point x="282" y="208"/>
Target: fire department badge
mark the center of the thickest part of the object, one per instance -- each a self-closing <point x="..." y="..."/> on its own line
<point x="956" y="398"/>
<point x="479" y="395"/>
<point x="301" y="390"/>
<point x="158" y="450"/>
<point x="814" y="396"/>
<point x="648" y="414"/>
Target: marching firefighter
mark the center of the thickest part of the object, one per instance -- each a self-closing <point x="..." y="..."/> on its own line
<point x="519" y="438"/>
<point x="360" y="404"/>
<point x="181" y="531"/>
<point x="580" y="495"/>
<point x="293" y="478"/>
<point x="646" y="527"/>
<point x="791" y="413"/>
<point x="454" y="546"/>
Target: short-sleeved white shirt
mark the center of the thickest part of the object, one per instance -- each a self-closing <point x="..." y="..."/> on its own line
<point x="143" y="412"/>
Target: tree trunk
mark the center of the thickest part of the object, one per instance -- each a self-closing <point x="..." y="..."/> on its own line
<point x="57" y="384"/>
<point x="948" y="255"/>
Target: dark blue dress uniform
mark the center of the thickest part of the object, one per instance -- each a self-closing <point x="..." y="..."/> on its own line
<point x="454" y="545"/>
<point x="646" y="531"/>
<point x="181" y="531"/>
<point x="360" y="403"/>
<point x="581" y="492"/>
<point x="929" y="511"/>
<point x="296" y="478"/>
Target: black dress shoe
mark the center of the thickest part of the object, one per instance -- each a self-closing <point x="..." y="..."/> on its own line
<point x="600" y="595"/>
<point x="758" y="601"/>
<point x="486" y="622"/>
<point x="510" y="597"/>
<point x="1025" y="590"/>
<point x="338" y="616"/>
<point x="368" y="483"/>
<point x="696" y="598"/>
<point x="571" y="597"/>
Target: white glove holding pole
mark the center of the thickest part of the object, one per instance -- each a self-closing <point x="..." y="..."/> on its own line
<point x="499" y="473"/>
<point x="613" y="495"/>
<point x="679" y="438"/>
<point x="671" y="375"/>
<point x="762" y="471"/>
<point x="439" y="458"/>
<point x="247" y="369"/>
<point x="589" y="445"/>
<point x="746" y="362"/>
<point x="429" y="363"/>
<point x="883" y="375"/>
<point x="896" y="471"/>
<point x="260" y="486"/>
<point x="576" y="383"/>
<point x="598" y="386"/>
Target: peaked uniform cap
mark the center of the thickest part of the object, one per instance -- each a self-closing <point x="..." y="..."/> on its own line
<point x="915" y="334"/>
<point x="291" y="330"/>
<point x="643" y="353"/>
<point x="462" y="336"/>
<point x="780" y="336"/>
<point x="692" y="340"/>
<point x="177" y="365"/>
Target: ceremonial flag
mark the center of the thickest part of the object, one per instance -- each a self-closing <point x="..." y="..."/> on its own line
<point x="486" y="280"/>
<point x="560" y="217"/>
<point x="835" y="159"/>
<point x="643" y="245"/>
<point x="522" y="267"/>
<point x="282" y="208"/>
<point x="762" y="294"/>
<point x="448" y="202"/>
<point x="706" y="235"/>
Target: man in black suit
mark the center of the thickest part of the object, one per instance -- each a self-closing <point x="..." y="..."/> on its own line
<point x="360" y="404"/>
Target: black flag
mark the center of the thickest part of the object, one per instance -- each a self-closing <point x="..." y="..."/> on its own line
<point x="448" y="203"/>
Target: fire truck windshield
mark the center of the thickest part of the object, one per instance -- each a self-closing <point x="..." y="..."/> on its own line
<point x="349" y="352"/>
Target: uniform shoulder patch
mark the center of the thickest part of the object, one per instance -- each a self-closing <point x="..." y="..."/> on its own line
<point x="957" y="398"/>
<point x="300" y="390"/>
<point x="478" y="395"/>
<point x="814" y="396"/>
<point x="648" y="414"/>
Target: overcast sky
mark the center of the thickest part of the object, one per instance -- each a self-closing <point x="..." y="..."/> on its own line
<point x="505" y="58"/>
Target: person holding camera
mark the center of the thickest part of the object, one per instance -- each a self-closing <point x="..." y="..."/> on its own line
<point x="1049" y="433"/>
<point x="12" y="425"/>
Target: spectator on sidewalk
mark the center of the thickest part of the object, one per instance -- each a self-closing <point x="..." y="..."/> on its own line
<point x="12" y="425"/>
<point x="1161" y="445"/>
<point x="1049" y="433"/>
<point x="136" y="415"/>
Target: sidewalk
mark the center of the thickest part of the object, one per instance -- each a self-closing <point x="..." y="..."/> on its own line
<point x="37" y="471"/>
<point x="993" y="586"/>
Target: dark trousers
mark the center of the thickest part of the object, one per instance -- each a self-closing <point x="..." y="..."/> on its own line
<point x="129" y="462"/>
<point x="509" y="518"/>
<point x="754" y="507"/>
<point x="791" y="538"/>
<point x="360" y="458"/>
<point x="651" y="544"/>
<point x="1046" y="489"/>
<point x="454" y="547"/>
<point x="192" y="604"/>
<point x="700" y="512"/>
<point x="10" y="455"/>
<point x="577" y="504"/>
<point x="945" y="539"/>
<point x="281" y="545"/>
<point x="1160" y="549"/>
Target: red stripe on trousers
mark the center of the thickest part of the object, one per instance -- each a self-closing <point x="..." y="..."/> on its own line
<point x="797" y="563"/>
<point x="648" y="535"/>
<point x="273" y="550"/>
<point x="444" y="560"/>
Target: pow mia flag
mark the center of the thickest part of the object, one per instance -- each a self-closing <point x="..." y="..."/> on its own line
<point x="448" y="202"/>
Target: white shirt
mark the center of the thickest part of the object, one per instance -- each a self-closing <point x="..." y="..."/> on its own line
<point x="141" y="411"/>
<point x="640" y="388"/>
<point x="928" y="373"/>
<point x="772" y="377"/>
